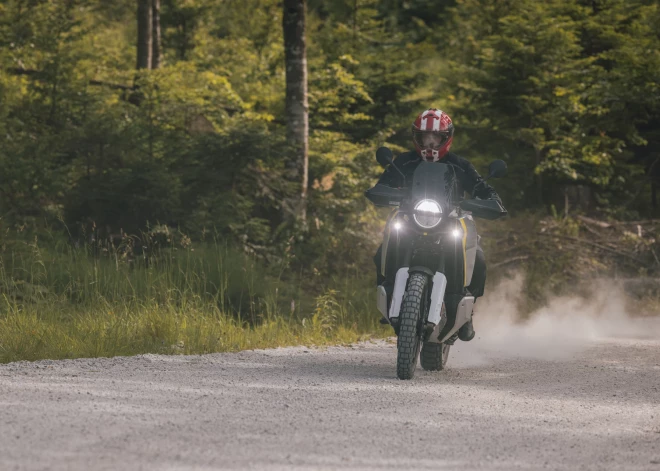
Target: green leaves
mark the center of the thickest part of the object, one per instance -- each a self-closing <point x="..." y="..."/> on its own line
<point x="568" y="92"/>
<point x="566" y="85"/>
<point x="336" y="96"/>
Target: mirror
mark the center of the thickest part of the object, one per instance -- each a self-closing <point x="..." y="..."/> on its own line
<point x="497" y="169"/>
<point x="384" y="156"/>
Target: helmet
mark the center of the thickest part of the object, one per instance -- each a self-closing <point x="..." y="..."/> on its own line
<point x="433" y="133"/>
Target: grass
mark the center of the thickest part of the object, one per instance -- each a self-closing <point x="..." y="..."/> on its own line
<point x="58" y="301"/>
<point x="55" y="332"/>
<point x="172" y="296"/>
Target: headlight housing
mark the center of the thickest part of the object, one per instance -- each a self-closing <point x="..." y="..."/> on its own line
<point x="427" y="214"/>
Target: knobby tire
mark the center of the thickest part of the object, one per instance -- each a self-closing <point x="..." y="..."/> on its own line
<point x="409" y="341"/>
<point x="434" y="356"/>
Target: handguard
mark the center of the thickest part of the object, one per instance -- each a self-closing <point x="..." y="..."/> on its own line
<point x="383" y="195"/>
<point x="484" y="209"/>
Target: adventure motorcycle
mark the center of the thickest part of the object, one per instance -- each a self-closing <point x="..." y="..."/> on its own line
<point x="432" y="239"/>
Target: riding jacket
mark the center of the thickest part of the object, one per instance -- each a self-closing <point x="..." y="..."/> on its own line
<point x="469" y="178"/>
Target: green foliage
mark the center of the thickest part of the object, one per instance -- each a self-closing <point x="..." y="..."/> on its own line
<point x="568" y="89"/>
<point x="565" y="91"/>
<point x="101" y="299"/>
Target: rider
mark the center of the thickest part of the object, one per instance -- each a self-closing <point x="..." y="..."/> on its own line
<point x="433" y="133"/>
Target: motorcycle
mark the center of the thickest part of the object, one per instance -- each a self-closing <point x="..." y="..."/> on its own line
<point x="431" y="240"/>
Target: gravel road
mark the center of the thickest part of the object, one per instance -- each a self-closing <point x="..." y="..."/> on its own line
<point x="597" y="407"/>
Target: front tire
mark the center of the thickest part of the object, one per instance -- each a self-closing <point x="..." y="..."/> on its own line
<point x="409" y="341"/>
<point x="434" y="356"/>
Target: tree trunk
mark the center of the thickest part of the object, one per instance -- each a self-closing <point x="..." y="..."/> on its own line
<point x="355" y="12"/>
<point x="144" y="41"/>
<point x="156" y="49"/>
<point x="297" y="119"/>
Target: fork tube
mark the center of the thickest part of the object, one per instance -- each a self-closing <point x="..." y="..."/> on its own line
<point x="405" y="252"/>
<point x="441" y="262"/>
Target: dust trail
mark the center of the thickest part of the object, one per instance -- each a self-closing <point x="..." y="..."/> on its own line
<point x="566" y="326"/>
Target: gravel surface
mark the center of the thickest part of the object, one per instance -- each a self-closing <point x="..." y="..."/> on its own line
<point x="337" y="408"/>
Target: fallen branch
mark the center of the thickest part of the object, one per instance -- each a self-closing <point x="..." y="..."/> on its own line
<point x="655" y="256"/>
<point x="522" y="247"/>
<point x="594" y="244"/>
<point x="602" y="224"/>
<point x="511" y="260"/>
<point x="642" y="222"/>
<point x="593" y="231"/>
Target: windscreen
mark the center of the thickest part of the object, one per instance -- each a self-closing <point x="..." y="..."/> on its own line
<point x="436" y="181"/>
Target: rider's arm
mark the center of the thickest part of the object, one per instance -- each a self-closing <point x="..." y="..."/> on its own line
<point x="475" y="184"/>
<point x="390" y="176"/>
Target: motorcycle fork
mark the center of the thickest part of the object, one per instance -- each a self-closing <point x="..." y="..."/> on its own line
<point x="425" y="327"/>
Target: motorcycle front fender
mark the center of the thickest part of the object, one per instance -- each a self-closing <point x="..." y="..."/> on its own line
<point x="400" y="282"/>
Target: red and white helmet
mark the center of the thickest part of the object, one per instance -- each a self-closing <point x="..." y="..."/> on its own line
<point x="433" y="133"/>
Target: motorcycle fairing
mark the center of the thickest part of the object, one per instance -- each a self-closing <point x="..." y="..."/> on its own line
<point x="381" y="300"/>
<point x="386" y="240"/>
<point x="437" y="298"/>
<point x="400" y="282"/>
<point x="435" y="180"/>
<point x="470" y="242"/>
<point x="439" y="182"/>
<point x="463" y="315"/>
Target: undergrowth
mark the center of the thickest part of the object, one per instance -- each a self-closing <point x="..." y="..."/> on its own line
<point x="162" y="293"/>
<point x="51" y="331"/>
<point x="59" y="301"/>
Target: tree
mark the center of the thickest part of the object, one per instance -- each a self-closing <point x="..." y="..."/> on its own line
<point x="157" y="47"/>
<point x="297" y="110"/>
<point x="145" y="36"/>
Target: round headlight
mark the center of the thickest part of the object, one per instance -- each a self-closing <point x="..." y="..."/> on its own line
<point x="428" y="214"/>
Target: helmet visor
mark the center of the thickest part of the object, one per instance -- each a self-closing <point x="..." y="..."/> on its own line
<point x="431" y="139"/>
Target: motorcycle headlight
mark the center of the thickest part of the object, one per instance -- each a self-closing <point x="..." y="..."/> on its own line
<point x="428" y="214"/>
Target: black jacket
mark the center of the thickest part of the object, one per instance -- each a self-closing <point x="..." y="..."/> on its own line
<point x="470" y="179"/>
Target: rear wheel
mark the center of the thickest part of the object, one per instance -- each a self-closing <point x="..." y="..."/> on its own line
<point x="409" y="341"/>
<point x="434" y="356"/>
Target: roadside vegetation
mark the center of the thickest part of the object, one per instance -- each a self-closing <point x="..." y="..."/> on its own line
<point x="176" y="296"/>
<point x="60" y="301"/>
<point x="572" y="256"/>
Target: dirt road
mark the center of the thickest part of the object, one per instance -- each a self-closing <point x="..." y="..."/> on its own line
<point x="339" y="408"/>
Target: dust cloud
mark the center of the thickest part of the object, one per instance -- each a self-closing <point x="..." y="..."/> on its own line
<point x="566" y="326"/>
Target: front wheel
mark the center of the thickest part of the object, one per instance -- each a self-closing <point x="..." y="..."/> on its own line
<point x="409" y="341"/>
<point x="434" y="356"/>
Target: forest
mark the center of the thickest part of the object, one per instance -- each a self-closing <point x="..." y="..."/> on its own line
<point x="189" y="175"/>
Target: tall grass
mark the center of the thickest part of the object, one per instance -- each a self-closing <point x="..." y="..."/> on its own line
<point x="107" y="299"/>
